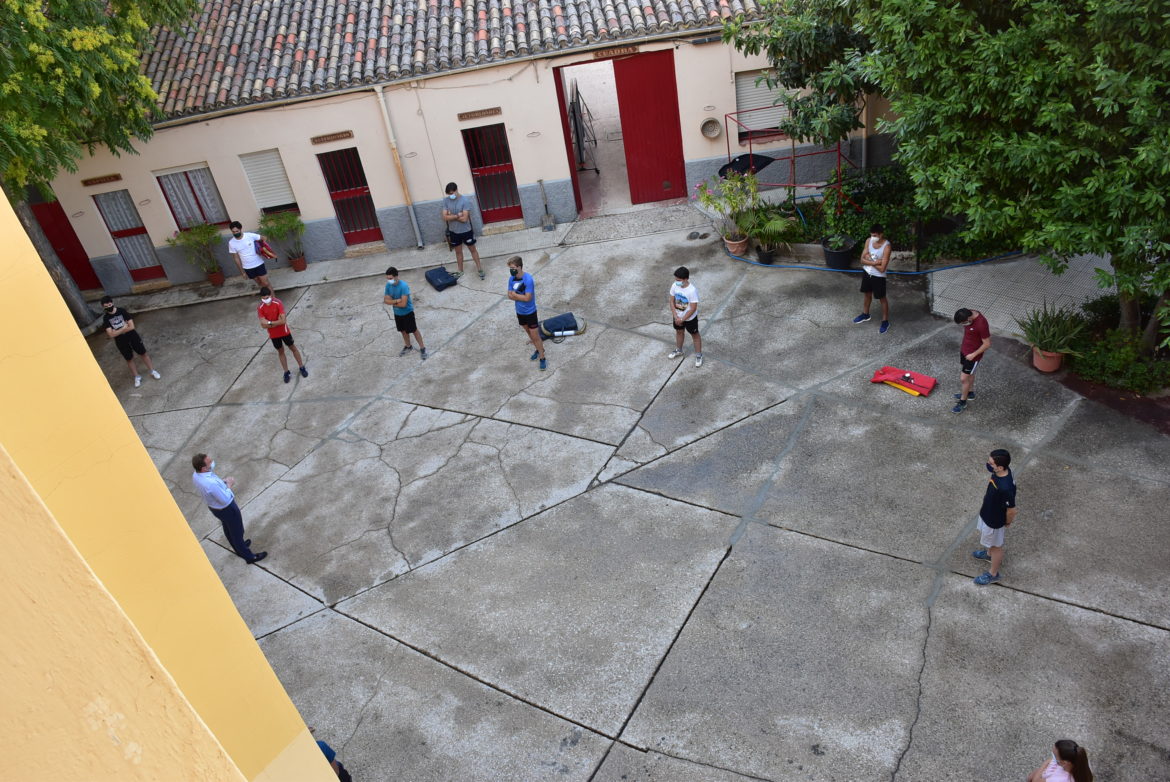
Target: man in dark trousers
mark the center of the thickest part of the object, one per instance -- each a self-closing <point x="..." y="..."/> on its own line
<point x="221" y="501"/>
<point x="457" y="217"/>
<point x="976" y="341"/>
<point x="996" y="515"/>
<point x="119" y="325"/>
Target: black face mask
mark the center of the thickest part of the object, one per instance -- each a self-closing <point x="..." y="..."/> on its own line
<point x="515" y="272"/>
<point x="108" y="307"/>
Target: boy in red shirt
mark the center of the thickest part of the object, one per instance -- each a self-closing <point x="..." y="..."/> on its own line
<point x="272" y="318"/>
<point x="976" y="341"/>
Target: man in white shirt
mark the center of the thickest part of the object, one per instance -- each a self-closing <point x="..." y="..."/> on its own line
<point x="221" y="501"/>
<point x="875" y="259"/>
<point x="242" y="246"/>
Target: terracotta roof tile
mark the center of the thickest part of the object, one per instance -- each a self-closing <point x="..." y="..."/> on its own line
<point x="242" y="52"/>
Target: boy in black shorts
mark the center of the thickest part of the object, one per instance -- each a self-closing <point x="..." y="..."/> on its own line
<point x="119" y="325"/>
<point x="397" y="295"/>
<point x="275" y="321"/>
<point x="684" y="307"/>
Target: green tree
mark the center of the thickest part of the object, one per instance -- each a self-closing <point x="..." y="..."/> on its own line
<point x="816" y="52"/>
<point x="69" y="83"/>
<point x="1045" y="122"/>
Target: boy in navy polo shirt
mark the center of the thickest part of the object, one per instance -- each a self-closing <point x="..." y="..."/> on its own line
<point x="996" y="515"/>
<point x="397" y="295"/>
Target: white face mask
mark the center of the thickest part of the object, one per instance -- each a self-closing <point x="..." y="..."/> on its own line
<point x="267" y="300"/>
<point x="213" y="464"/>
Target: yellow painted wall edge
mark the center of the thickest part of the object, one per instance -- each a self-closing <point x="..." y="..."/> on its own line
<point x="68" y="437"/>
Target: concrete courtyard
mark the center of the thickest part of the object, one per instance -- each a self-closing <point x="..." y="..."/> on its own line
<point x="630" y="568"/>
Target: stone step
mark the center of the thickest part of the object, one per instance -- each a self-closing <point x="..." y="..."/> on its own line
<point x="507" y="226"/>
<point x="364" y="250"/>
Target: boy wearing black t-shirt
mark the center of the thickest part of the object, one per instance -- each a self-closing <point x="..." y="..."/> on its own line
<point x="119" y="325"/>
<point x="995" y="515"/>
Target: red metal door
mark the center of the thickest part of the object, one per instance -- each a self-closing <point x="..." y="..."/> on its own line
<point x="346" y="180"/>
<point x="130" y="237"/>
<point x="648" y="106"/>
<point x="492" y="173"/>
<point x="61" y="235"/>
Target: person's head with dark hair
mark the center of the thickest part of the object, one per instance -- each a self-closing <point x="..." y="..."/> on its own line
<point x="107" y="300"/>
<point x="962" y="315"/>
<point x="198" y="461"/>
<point x="237" y="228"/>
<point x="877" y="229"/>
<point x="392" y="271"/>
<point x="451" y="188"/>
<point x="1001" y="458"/>
<point x="265" y="292"/>
<point x="1074" y="758"/>
<point x="682" y="273"/>
<point x="107" y="303"/>
<point x="516" y="262"/>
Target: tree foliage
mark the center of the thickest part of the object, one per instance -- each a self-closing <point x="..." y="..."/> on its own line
<point x="1045" y="122"/>
<point x="816" y="54"/>
<point x="70" y="81"/>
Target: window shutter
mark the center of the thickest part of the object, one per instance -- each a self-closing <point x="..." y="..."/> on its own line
<point x="750" y="96"/>
<point x="266" y="175"/>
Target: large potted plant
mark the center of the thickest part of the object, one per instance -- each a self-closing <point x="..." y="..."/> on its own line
<point x="286" y="229"/>
<point x="1051" y="331"/>
<point x="199" y="244"/>
<point x="773" y="227"/>
<point x="843" y="224"/>
<point x="729" y="199"/>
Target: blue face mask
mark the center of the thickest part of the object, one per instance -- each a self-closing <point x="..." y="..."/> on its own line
<point x="680" y="283"/>
<point x="453" y="196"/>
<point x="213" y="464"/>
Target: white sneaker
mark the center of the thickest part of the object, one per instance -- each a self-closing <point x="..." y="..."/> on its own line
<point x="137" y="380"/>
<point x="154" y="373"/>
<point x="675" y="354"/>
<point x="699" y="360"/>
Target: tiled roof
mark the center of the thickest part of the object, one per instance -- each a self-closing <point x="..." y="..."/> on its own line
<point x="245" y="52"/>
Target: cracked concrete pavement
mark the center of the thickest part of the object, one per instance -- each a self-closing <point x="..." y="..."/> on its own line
<point x="629" y="568"/>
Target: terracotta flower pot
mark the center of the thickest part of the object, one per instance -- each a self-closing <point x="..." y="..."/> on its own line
<point x="298" y="264"/>
<point x="1045" y="361"/>
<point x="736" y="247"/>
<point x="215" y="278"/>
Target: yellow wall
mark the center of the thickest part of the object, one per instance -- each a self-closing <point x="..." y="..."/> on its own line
<point x="120" y="643"/>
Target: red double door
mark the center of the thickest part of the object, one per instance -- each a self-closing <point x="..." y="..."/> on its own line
<point x="651" y="133"/>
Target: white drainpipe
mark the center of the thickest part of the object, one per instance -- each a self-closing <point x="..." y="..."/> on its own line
<point x="398" y="163"/>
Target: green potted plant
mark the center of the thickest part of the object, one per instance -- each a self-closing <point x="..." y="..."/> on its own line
<point x="199" y="244"/>
<point x="842" y="226"/>
<point x="772" y="227"/>
<point x="1051" y="331"/>
<point x="729" y="199"/>
<point x="286" y="228"/>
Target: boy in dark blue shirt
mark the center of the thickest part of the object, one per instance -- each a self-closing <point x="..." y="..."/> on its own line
<point x="996" y="515"/>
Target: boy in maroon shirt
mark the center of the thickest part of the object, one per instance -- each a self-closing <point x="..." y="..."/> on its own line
<point x="272" y="318"/>
<point x="976" y="341"/>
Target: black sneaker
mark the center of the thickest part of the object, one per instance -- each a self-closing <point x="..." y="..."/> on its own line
<point x="960" y="407"/>
<point x="970" y="396"/>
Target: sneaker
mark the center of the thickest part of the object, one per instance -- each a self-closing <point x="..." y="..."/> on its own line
<point x="699" y="360"/>
<point x="154" y="373"/>
<point x="543" y="364"/>
<point x="405" y="350"/>
<point x="884" y="327"/>
<point x="304" y="372"/>
<point x="981" y="554"/>
<point x="137" y="380"/>
<point x="456" y="275"/>
<point x="481" y="275"/>
<point x="960" y="407"/>
<point x="862" y="318"/>
<point x="987" y="578"/>
<point x="675" y="354"/>
<point x="970" y="396"/>
<point x="423" y="354"/>
<point x="287" y="376"/>
<point x="535" y="355"/>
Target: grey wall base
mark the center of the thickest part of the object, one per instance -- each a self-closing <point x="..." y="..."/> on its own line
<point x="561" y="204"/>
<point x="115" y="277"/>
<point x="814" y="168"/>
<point x="323" y="240"/>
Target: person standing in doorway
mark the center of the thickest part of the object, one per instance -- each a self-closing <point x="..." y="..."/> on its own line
<point x="274" y="319"/>
<point x="397" y="295"/>
<point x="995" y="515"/>
<point x="457" y="217"/>
<point x="119" y="325"/>
<point x="683" y="300"/>
<point x="221" y="501"/>
<point x="976" y="341"/>
<point x="875" y="258"/>
<point x="522" y="290"/>
<point x="242" y="246"/>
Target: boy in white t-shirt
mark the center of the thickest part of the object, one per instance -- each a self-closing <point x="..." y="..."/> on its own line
<point x="242" y="246"/>
<point x="684" y="307"/>
<point x="874" y="260"/>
